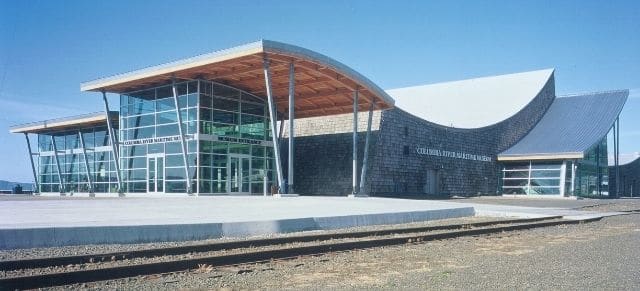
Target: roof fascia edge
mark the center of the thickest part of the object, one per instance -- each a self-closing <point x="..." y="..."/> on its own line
<point x="44" y="125"/>
<point x="550" y="77"/>
<point x="287" y="49"/>
<point x="77" y="119"/>
<point x="235" y="52"/>
<point x="556" y="156"/>
<point x="626" y="97"/>
<point x="166" y="68"/>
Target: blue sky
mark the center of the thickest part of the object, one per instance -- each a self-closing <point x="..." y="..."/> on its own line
<point x="47" y="48"/>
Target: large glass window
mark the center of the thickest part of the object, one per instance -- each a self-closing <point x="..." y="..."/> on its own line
<point x="73" y="170"/>
<point x="533" y="178"/>
<point x="592" y="177"/>
<point x="238" y="118"/>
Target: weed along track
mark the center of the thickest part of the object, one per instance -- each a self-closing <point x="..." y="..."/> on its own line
<point x="57" y="271"/>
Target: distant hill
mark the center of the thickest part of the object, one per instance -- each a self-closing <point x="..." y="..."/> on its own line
<point x="7" y="185"/>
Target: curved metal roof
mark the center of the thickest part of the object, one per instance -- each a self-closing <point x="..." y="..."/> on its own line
<point x="570" y="127"/>
<point x="324" y="86"/>
<point x="472" y="103"/>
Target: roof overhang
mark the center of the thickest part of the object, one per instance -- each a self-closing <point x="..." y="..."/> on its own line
<point x="571" y="126"/>
<point x="323" y="86"/>
<point x="66" y="123"/>
<point x="533" y="157"/>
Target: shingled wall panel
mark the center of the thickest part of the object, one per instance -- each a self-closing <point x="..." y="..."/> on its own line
<point x="323" y="154"/>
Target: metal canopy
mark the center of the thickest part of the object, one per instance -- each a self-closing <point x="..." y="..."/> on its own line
<point x="66" y="123"/>
<point x="323" y="86"/>
<point x="570" y="127"/>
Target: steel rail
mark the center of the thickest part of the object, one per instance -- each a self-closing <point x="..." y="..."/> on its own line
<point x="84" y="276"/>
<point x="199" y="248"/>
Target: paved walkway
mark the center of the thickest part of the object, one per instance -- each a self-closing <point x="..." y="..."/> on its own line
<point x="38" y="221"/>
<point x="568" y="208"/>
<point x="186" y="210"/>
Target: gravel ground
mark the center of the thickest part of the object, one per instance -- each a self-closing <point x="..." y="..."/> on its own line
<point x="106" y="248"/>
<point x="584" y="204"/>
<point x="595" y="256"/>
<point x="135" y="261"/>
<point x="616" y="205"/>
<point x="567" y="257"/>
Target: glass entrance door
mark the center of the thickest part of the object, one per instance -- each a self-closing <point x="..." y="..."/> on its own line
<point x="155" y="173"/>
<point x="238" y="168"/>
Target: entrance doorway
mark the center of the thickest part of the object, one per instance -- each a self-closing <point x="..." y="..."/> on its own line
<point x="431" y="182"/>
<point x="155" y="173"/>
<point x="238" y="170"/>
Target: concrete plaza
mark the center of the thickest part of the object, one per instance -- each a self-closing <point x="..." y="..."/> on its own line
<point x="56" y="221"/>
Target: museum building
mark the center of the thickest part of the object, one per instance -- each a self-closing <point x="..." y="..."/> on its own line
<point x="269" y="117"/>
<point x="629" y="177"/>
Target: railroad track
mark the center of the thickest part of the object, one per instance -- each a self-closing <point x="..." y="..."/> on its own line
<point x="274" y="249"/>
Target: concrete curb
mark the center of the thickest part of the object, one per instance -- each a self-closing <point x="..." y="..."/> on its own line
<point x="67" y="236"/>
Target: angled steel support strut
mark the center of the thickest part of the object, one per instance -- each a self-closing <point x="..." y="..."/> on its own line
<point x="273" y="118"/>
<point x="292" y="134"/>
<point x="355" y="143"/>
<point x="617" y="157"/>
<point x="183" y="143"/>
<point x="55" y="156"/>
<point x="86" y="163"/>
<point x="365" y="158"/>
<point x="33" y="165"/>
<point x="114" y="145"/>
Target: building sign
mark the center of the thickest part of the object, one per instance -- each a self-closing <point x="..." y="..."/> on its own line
<point x="213" y="137"/>
<point x="239" y="140"/>
<point x="152" y="140"/>
<point x="452" y="155"/>
<point x="197" y="137"/>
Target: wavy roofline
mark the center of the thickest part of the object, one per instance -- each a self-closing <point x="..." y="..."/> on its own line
<point x="236" y="52"/>
<point x="549" y="76"/>
<point x="624" y="94"/>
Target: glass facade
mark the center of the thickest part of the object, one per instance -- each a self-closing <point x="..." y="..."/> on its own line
<point x="533" y="178"/>
<point x="226" y="132"/>
<point x="592" y="172"/>
<point x="584" y="177"/>
<point x="72" y="165"/>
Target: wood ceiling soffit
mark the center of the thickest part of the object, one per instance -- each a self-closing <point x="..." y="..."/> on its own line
<point x="231" y="73"/>
<point x="280" y="59"/>
<point x="309" y="89"/>
<point x="323" y="94"/>
<point x="285" y="85"/>
<point x="297" y="104"/>
<point x="260" y="76"/>
<point x="345" y="108"/>
<point x="317" y="79"/>
<point x="331" y="74"/>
